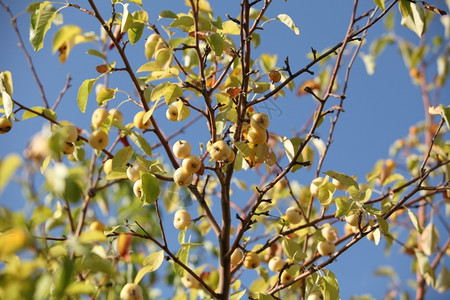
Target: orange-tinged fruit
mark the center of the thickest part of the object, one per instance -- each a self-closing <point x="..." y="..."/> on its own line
<point x="251" y="260"/>
<point x="98" y="140"/>
<point x="274" y="76"/>
<point x="124" y="245"/>
<point x="5" y="125"/>
<point x="97" y="225"/>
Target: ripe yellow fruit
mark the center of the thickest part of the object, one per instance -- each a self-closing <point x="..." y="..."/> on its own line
<point x="276" y="263"/>
<point x="191" y="164"/>
<point x="230" y="158"/>
<point x="190" y="282"/>
<point x="181" y="149"/>
<point x="251" y="260"/>
<point x="133" y="171"/>
<point x="131" y="291"/>
<point x="117" y="114"/>
<point x="5" y="125"/>
<point x="107" y="166"/>
<point x="182" y="178"/>
<point x="172" y="112"/>
<point x="182" y="219"/>
<point x="275" y="76"/>
<point x="137" y="188"/>
<point x="326" y="248"/>
<point x="315" y="296"/>
<point x="338" y="184"/>
<point x="138" y="121"/>
<point x="314" y="187"/>
<point x="99" y="115"/>
<point x="259" y="121"/>
<point x="293" y="215"/>
<point x="286" y="277"/>
<point x="97" y="225"/>
<point x="352" y="219"/>
<point x="68" y="148"/>
<point x="236" y="256"/>
<point x="70" y="133"/>
<point x="99" y="140"/>
<point x="257" y="137"/>
<point x="220" y="151"/>
<point x="329" y="232"/>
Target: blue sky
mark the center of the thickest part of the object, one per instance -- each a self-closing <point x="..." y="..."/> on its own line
<point x="379" y="108"/>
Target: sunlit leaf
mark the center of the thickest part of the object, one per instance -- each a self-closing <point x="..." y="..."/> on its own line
<point x="413" y="16"/>
<point x="286" y="20"/>
<point x="104" y="95"/>
<point x="150" y="188"/>
<point x="8" y="166"/>
<point x="182" y="255"/>
<point x="429" y="239"/>
<point x="151" y="263"/>
<point x="141" y="142"/>
<point x="83" y="93"/>
<point x="379" y="3"/>
<point x="41" y="20"/>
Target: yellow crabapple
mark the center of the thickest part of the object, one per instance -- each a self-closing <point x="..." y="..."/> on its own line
<point x="236" y="256"/>
<point x="182" y="178"/>
<point x="98" y="139"/>
<point x="133" y="171"/>
<point x="138" y="121"/>
<point x="182" y="219"/>
<point x="293" y="215"/>
<point x="98" y="116"/>
<point x="172" y="112"/>
<point x="131" y="291"/>
<point x="251" y="260"/>
<point x="276" y="263"/>
<point x="259" y="121"/>
<point x="181" y="149"/>
<point x="191" y="164"/>
<point x="5" y="125"/>
<point x="220" y="151"/>
<point x="137" y="188"/>
<point x="326" y="248"/>
<point x="97" y="225"/>
<point x="257" y="137"/>
<point x="329" y="232"/>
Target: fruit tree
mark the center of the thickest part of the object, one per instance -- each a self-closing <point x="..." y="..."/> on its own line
<point x="193" y="150"/>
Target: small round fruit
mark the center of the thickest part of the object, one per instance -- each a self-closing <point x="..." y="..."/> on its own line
<point x="236" y="256"/>
<point x="117" y="114"/>
<point x="314" y="187"/>
<point x="286" y="277"/>
<point x="190" y="282"/>
<point x="181" y="149"/>
<point x="5" y="125"/>
<point x="99" y="115"/>
<point x="326" y="248"/>
<point x="257" y="137"/>
<point x="352" y="219"/>
<point x="276" y="263"/>
<point x="131" y="291"/>
<point x="68" y="148"/>
<point x="182" y="178"/>
<point x="107" y="166"/>
<point x="138" y="121"/>
<point x="259" y="121"/>
<point x="230" y="158"/>
<point x="133" y="171"/>
<point x="293" y="215"/>
<point x="275" y="76"/>
<point x="182" y="219"/>
<point x="70" y="133"/>
<point x="315" y="296"/>
<point x="137" y="188"/>
<point x="251" y="260"/>
<point x="99" y="140"/>
<point x="191" y="164"/>
<point x="172" y="112"/>
<point x="220" y="151"/>
<point x="97" y="225"/>
<point x="329" y="232"/>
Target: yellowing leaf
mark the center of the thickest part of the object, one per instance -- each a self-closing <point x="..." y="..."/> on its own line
<point x="92" y="236"/>
<point x="151" y="263"/>
<point x="229" y="27"/>
<point x="8" y="166"/>
<point x="83" y="93"/>
<point x="413" y="16"/>
<point x="286" y="20"/>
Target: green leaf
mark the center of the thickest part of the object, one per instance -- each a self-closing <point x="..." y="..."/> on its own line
<point x="127" y="19"/>
<point x="268" y="62"/>
<point x="170" y="92"/>
<point x="83" y="93"/>
<point x="413" y="16"/>
<point x="425" y="268"/>
<point x="292" y="250"/>
<point x="379" y="3"/>
<point x="149" y="67"/>
<point x="229" y="27"/>
<point x="446" y="115"/>
<point x="41" y="214"/>
<point x="286" y="20"/>
<point x="122" y="157"/>
<point x="342" y="178"/>
<point x="414" y="220"/>
<point x="135" y="32"/>
<point x="182" y="255"/>
<point x="95" y="53"/>
<point x="151" y="263"/>
<point x="150" y="188"/>
<point x="163" y="58"/>
<point x="343" y="206"/>
<point x="383" y="225"/>
<point x="168" y="14"/>
<point x="237" y="295"/>
<point x="41" y="20"/>
<point x="217" y="43"/>
<point x="138" y="2"/>
<point x="8" y="166"/>
<point x="104" y="95"/>
<point x="40" y="110"/>
<point x="262" y="296"/>
<point x="80" y="288"/>
<point x="141" y="142"/>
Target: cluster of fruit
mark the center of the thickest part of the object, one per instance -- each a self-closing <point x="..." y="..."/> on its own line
<point x="99" y="139"/>
<point x="69" y="135"/>
<point x="257" y="131"/>
<point x="191" y="163"/>
<point x="220" y="151"/>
